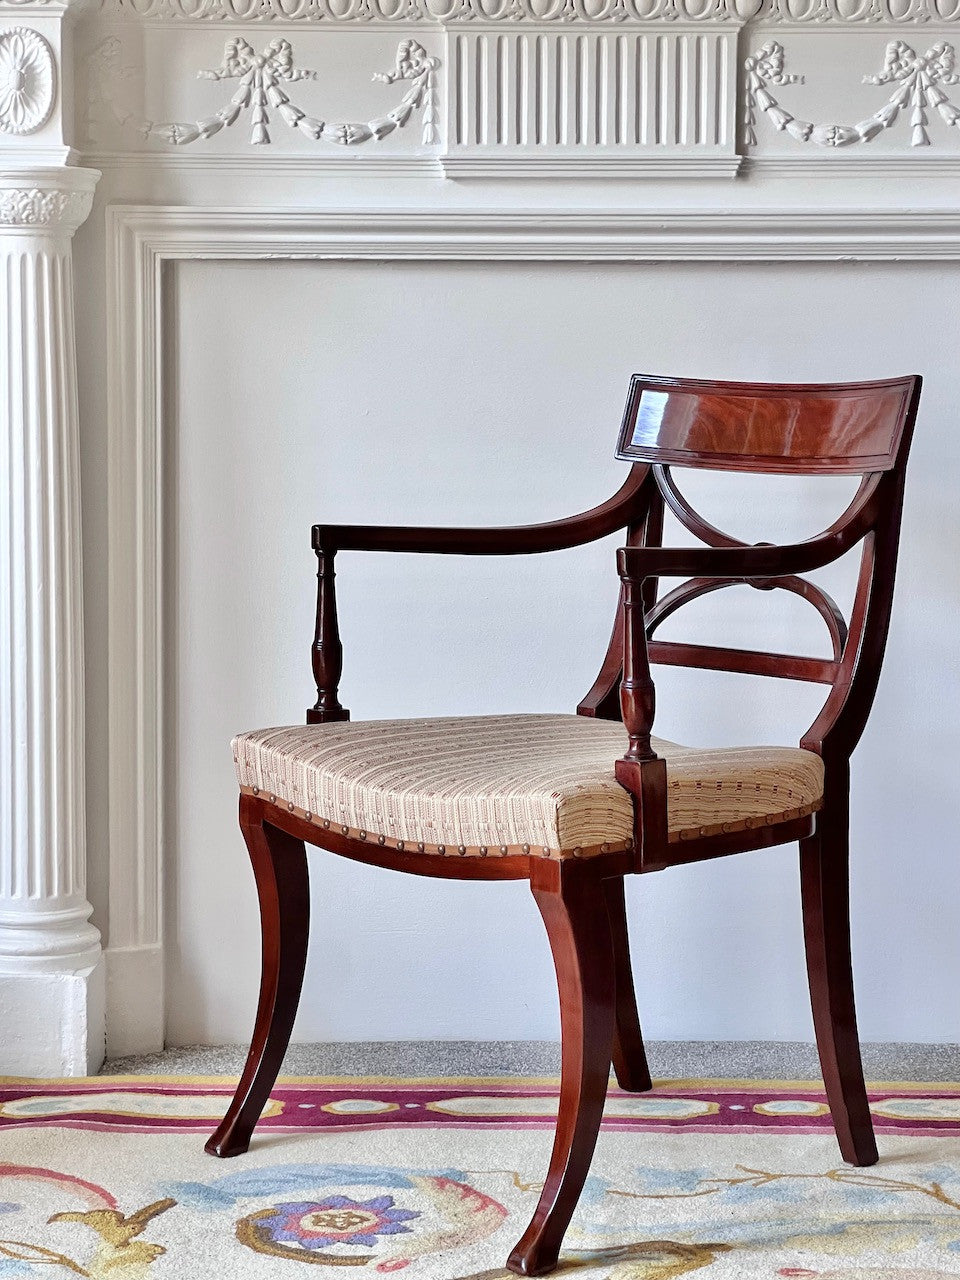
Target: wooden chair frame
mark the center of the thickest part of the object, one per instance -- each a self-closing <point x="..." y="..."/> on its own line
<point x="582" y="901"/>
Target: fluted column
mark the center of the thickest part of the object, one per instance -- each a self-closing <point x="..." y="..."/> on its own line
<point x="51" y="967"/>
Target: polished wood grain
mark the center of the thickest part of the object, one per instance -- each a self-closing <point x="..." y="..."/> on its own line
<point x="780" y="428"/>
<point x="602" y="701"/>
<point x="629" y="1055"/>
<point x="627" y="506"/>
<point x="327" y="651"/>
<point x="748" y="662"/>
<point x="863" y="427"/>
<point x="825" y="895"/>
<point x="338" y="840"/>
<point x="696" y="588"/>
<point x="554" y="535"/>
<point x="572" y="902"/>
<point x="279" y="863"/>
<point x="680" y="853"/>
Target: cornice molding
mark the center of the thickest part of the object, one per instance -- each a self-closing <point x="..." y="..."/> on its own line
<point x="157" y="233"/>
<point x="617" y="13"/>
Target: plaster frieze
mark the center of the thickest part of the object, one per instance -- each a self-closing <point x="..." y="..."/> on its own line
<point x="617" y="13"/>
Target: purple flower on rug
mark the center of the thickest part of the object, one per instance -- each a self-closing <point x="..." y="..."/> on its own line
<point x="336" y="1220"/>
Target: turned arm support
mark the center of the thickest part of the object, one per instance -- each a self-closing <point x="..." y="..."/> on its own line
<point x="326" y="653"/>
<point x="641" y="770"/>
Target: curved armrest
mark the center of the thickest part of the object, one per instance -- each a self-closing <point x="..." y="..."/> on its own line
<point x="553" y="535"/>
<point x="636" y="564"/>
<point x="626" y="507"/>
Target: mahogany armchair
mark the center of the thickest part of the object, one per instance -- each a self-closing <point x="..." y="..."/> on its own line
<point x="575" y="803"/>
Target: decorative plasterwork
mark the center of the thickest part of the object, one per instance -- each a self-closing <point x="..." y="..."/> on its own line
<point x="55" y="199"/>
<point x="788" y="12"/>
<point x="30" y="207"/>
<point x="27" y="80"/>
<point x="260" y="76"/>
<point x="565" y="103"/>
<point x="553" y="101"/>
<point x="918" y="78"/>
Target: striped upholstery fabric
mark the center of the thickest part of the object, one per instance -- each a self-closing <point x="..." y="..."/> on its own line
<point x="498" y="785"/>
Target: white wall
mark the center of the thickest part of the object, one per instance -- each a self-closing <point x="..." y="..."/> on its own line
<point x="224" y="408"/>
<point x="447" y="393"/>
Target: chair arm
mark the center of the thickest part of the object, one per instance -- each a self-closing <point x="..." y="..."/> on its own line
<point x="636" y="564"/>
<point x="624" y="508"/>
<point x="765" y="560"/>
<point x="553" y="535"/>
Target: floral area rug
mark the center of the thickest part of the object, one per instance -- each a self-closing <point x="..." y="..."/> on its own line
<point x="436" y="1179"/>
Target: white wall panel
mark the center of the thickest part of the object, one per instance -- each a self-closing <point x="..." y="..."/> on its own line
<point x="482" y="392"/>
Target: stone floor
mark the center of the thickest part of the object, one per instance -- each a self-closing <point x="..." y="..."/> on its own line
<point x="668" y="1060"/>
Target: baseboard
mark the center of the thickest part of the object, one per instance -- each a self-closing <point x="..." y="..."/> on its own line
<point x="135" y="1000"/>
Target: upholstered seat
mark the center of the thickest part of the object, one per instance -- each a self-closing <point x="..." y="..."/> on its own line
<point x="498" y="785"/>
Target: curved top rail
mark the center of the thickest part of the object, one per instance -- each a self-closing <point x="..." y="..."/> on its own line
<point x="819" y="428"/>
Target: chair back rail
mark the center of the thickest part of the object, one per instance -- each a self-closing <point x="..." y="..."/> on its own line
<point x="829" y="429"/>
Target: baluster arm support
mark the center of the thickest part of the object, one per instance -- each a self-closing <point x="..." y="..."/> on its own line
<point x="326" y="652"/>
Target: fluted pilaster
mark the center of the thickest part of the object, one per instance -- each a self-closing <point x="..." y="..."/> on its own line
<point x="50" y="958"/>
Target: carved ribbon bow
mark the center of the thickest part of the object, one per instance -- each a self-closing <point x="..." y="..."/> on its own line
<point x="903" y="63"/>
<point x="258" y="74"/>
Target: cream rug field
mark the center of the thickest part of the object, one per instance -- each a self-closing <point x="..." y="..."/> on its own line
<point x="436" y="1179"/>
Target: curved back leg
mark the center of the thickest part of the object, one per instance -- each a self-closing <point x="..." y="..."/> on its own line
<point x="572" y="901"/>
<point x="280" y="867"/>
<point x="629" y="1056"/>
<point x="825" y="892"/>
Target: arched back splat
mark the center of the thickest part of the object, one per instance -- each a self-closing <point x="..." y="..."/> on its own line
<point x="789" y="666"/>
